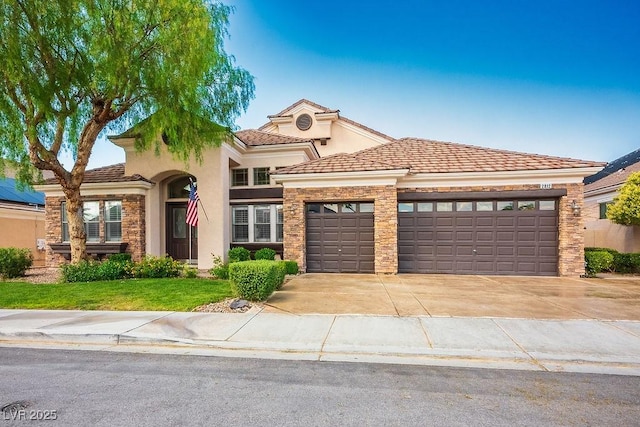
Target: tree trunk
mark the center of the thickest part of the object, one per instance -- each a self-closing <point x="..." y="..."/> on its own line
<point x="75" y="220"/>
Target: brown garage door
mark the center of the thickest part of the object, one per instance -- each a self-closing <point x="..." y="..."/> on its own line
<point x="340" y="237"/>
<point x="517" y="237"/>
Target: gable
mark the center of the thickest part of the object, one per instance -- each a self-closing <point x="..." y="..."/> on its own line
<point x="330" y="132"/>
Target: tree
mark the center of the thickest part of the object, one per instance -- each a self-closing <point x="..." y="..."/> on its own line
<point x="625" y="208"/>
<point x="73" y="68"/>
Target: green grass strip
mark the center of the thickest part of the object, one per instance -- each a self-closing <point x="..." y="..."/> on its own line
<point x="120" y="295"/>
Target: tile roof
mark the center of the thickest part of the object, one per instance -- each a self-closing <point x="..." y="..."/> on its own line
<point x="111" y="173"/>
<point x="9" y="193"/>
<point x="254" y="138"/>
<point x="614" y="180"/>
<point x="427" y="156"/>
<point x="326" y="110"/>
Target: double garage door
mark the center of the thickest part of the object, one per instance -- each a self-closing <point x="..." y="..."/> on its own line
<point x="517" y="237"/>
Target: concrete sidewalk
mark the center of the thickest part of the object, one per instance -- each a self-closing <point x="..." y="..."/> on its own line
<point x="593" y="346"/>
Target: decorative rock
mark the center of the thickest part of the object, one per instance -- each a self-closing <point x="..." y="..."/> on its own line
<point x="238" y="303"/>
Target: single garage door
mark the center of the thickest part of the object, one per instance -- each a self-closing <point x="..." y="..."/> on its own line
<point x="339" y="237"/>
<point x="518" y="237"/>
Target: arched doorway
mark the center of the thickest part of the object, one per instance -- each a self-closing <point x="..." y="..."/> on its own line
<point x="182" y="239"/>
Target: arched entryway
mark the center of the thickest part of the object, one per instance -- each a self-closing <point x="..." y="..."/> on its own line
<point x="182" y="239"/>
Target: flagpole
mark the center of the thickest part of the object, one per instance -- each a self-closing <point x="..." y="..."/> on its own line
<point x="189" y="244"/>
<point x="205" y="212"/>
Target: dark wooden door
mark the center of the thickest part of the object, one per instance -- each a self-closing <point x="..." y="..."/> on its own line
<point x="178" y="233"/>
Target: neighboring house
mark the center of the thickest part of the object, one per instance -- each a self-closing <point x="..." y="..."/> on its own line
<point x="337" y="196"/>
<point x="599" y="191"/>
<point x="22" y="219"/>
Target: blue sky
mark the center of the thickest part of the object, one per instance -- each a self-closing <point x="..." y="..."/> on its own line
<point x="551" y="77"/>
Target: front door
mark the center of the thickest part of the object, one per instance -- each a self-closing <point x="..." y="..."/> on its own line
<point x="178" y="233"/>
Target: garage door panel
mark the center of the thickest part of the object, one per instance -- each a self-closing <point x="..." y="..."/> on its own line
<point x="550" y="251"/>
<point x="464" y="222"/>
<point x="527" y="221"/>
<point x="526" y="251"/>
<point x="462" y="250"/>
<point x="424" y="222"/>
<point x="505" y="221"/>
<point x="526" y="236"/>
<point x="548" y="236"/>
<point x="444" y="221"/>
<point x="548" y="222"/>
<point x="424" y="250"/>
<point x="444" y="250"/>
<point x="485" y="250"/>
<point x="485" y="222"/>
<point x="485" y="236"/>
<point x="464" y="236"/>
<point x="505" y="236"/>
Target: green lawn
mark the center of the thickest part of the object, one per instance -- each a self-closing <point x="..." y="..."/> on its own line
<point x="134" y="294"/>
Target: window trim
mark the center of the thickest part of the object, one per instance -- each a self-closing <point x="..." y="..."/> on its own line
<point x="104" y="216"/>
<point x="257" y="171"/>
<point x="251" y="222"/>
<point x="233" y="176"/>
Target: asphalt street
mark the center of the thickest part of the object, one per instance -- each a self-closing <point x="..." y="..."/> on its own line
<point x="121" y="389"/>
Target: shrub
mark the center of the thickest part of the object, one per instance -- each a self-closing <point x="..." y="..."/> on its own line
<point x="190" y="272"/>
<point x="611" y="251"/>
<point x="121" y="257"/>
<point x="14" y="262"/>
<point x="597" y="261"/>
<point x="111" y="269"/>
<point x="256" y="280"/>
<point x="291" y="267"/>
<point x="220" y="269"/>
<point x="239" y="254"/>
<point x="156" y="267"/>
<point x="265" y="253"/>
<point x="83" y="271"/>
<point x="626" y="263"/>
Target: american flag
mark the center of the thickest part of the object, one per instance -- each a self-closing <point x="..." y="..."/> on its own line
<point x="192" y="206"/>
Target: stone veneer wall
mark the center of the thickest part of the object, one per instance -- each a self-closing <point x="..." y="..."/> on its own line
<point x="570" y="226"/>
<point x="133" y="224"/>
<point x="385" y="220"/>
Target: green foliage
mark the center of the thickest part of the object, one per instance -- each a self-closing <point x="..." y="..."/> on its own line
<point x="597" y="262"/>
<point x="626" y="263"/>
<point x="190" y="272"/>
<point x="174" y="294"/>
<point x="74" y="68"/>
<point x="625" y="209"/>
<point x="611" y="251"/>
<point x="14" y="262"/>
<point x="256" y="280"/>
<point x="291" y="267"/>
<point x="157" y="267"/>
<point x="111" y="269"/>
<point x="83" y="271"/>
<point x="220" y="269"/>
<point x="122" y="257"/>
<point x="265" y="253"/>
<point x="239" y="254"/>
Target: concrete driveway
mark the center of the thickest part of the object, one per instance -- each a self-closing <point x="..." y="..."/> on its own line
<point x="615" y="298"/>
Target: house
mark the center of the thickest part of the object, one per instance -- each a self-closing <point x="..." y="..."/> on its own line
<point x="22" y="219"/>
<point x="599" y="191"/>
<point x="338" y="196"/>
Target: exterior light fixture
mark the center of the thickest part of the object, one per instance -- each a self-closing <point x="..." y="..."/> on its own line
<point x="575" y="208"/>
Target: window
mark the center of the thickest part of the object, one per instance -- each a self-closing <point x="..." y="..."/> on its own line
<point x="547" y="205"/>
<point x="464" y="206"/>
<point x="279" y="223"/>
<point x="405" y="207"/>
<point x="262" y="224"/>
<point x="91" y="215"/>
<point x="425" y="207"/>
<point x="113" y="221"/>
<point x="240" y="220"/>
<point x="484" y="206"/>
<point x="505" y="206"/>
<point x="257" y="223"/>
<point x="261" y="176"/>
<point x="348" y="207"/>
<point x="179" y="189"/>
<point x="366" y="207"/>
<point x="526" y="205"/>
<point x="603" y="209"/>
<point x="239" y="177"/>
<point x="444" y="206"/>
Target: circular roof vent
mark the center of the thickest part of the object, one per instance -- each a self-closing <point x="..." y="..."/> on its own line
<point x="303" y="122"/>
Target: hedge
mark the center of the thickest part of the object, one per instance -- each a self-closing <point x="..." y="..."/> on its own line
<point x="256" y="280"/>
<point x="597" y="262"/>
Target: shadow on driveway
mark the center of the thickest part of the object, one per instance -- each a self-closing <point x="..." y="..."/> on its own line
<point x="616" y="298"/>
